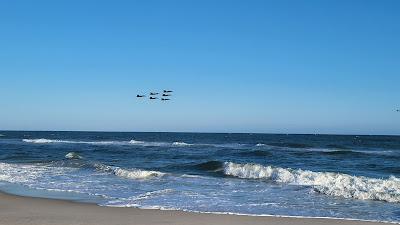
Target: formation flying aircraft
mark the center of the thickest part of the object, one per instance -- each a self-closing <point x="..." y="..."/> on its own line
<point x="165" y="93"/>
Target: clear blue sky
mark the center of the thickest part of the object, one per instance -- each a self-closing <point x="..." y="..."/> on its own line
<point x="236" y="66"/>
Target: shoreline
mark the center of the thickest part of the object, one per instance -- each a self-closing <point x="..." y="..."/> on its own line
<point x="21" y="210"/>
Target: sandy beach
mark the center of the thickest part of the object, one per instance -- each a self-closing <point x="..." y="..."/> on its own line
<point x="26" y="210"/>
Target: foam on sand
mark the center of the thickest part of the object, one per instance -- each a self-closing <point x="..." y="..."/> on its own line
<point x="334" y="184"/>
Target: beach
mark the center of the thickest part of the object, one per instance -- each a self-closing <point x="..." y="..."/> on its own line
<point x="17" y="210"/>
<point x="257" y="175"/>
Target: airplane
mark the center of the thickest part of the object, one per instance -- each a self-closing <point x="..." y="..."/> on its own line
<point x="154" y="93"/>
<point x="166" y="91"/>
<point x="165" y="99"/>
<point x="153" y="98"/>
<point x="140" y="96"/>
<point x="166" y="95"/>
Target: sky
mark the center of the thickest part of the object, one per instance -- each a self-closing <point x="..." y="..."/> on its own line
<point x="235" y="66"/>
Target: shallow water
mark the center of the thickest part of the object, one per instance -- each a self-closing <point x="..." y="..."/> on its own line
<point x="353" y="177"/>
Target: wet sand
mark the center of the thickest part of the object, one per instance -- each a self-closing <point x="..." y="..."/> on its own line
<point x="38" y="211"/>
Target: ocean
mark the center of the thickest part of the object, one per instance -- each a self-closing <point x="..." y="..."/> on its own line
<point x="334" y="176"/>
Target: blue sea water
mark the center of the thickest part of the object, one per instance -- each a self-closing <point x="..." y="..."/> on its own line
<point x="355" y="177"/>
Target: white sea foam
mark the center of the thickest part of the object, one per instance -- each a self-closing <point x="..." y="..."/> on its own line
<point x="136" y="142"/>
<point x="129" y="173"/>
<point x="178" y="143"/>
<point x="132" y="201"/>
<point x="136" y="173"/>
<point x="73" y="155"/>
<point x="335" y="184"/>
<point x="28" y="173"/>
<point x="39" y="141"/>
<point x="131" y="142"/>
<point x="46" y="141"/>
<point x="149" y="143"/>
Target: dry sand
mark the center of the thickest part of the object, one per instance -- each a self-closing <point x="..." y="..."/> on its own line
<point x="26" y="210"/>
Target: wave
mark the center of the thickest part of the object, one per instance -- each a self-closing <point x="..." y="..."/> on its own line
<point x="46" y="141"/>
<point x="73" y="155"/>
<point x="330" y="150"/>
<point x="213" y="166"/>
<point x="147" y="143"/>
<point x="128" y="173"/>
<point x="131" y="142"/>
<point x="255" y="153"/>
<point x="334" y="184"/>
<point x="254" y="150"/>
<point x="290" y="145"/>
<point x="178" y="143"/>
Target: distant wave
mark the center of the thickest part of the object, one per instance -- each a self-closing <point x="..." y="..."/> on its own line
<point x="131" y="142"/>
<point x="73" y="155"/>
<point x="179" y="143"/>
<point x="290" y="145"/>
<point x="260" y="153"/>
<point x="134" y="142"/>
<point x="330" y="150"/>
<point x="46" y="141"/>
<point x="253" y="149"/>
<point x="334" y="184"/>
<point x="144" y="143"/>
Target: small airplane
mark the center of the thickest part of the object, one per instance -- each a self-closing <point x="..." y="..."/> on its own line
<point x="165" y="99"/>
<point x="154" y="93"/>
<point x="140" y="96"/>
<point x="166" y="95"/>
<point x="166" y="91"/>
<point x="153" y="98"/>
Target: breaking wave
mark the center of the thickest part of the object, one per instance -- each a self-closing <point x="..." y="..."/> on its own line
<point x="73" y="155"/>
<point x="46" y="141"/>
<point x="131" y="142"/>
<point x="178" y="143"/>
<point x="136" y="142"/>
<point x="334" y="184"/>
<point x="129" y="173"/>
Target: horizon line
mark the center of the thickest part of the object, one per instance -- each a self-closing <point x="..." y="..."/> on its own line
<point x="203" y="132"/>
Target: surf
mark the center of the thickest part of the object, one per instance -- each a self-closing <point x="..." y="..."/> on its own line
<point x="329" y="183"/>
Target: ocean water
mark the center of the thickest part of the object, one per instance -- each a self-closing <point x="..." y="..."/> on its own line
<point x="354" y="177"/>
